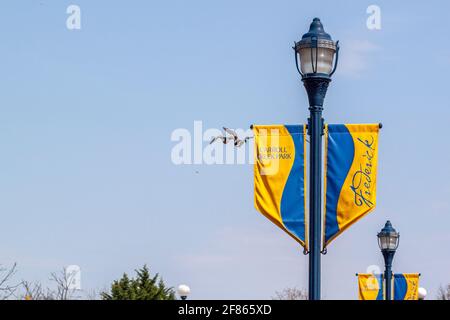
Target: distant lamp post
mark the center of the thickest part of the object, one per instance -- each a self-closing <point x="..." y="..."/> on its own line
<point x="183" y="291"/>
<point x="316" y="52"/>
<point x="422" y="293"/>
<point x="388" y="240"/>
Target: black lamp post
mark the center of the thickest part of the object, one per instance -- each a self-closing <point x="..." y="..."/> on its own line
<point x="316" y="51"/>
<point x="388" y="240"/>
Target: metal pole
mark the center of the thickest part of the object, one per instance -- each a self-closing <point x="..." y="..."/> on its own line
<point x="388" y="257"/>
<point x="316" y="132"/>
<point x="316" y="88"/>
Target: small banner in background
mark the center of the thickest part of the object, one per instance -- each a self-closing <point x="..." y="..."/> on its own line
<point x="406" y="286"/>
<point x="279" y="177"/>
<point x="370" y="286"/>
<point x="350" y="177"/>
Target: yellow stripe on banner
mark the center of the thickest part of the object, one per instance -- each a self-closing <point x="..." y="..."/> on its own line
<point x="412" y="279"/>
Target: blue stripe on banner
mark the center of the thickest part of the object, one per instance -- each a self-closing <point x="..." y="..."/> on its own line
<point x="400" y="287"/>
<point x="292" y="200"/>
<point x="380" y="286"/>
<point x="340" y="153"/>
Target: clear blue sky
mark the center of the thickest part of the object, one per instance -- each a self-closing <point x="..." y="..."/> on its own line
<point x="86" y="118"/>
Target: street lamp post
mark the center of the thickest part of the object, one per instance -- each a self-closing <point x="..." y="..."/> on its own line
<point x="183" y="291"/>
<point x="388" y="240"/>
<point x="422" y="293"/>
<point x="316" y="52"/>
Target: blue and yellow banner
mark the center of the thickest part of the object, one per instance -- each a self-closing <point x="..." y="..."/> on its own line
<point x="350" y="178"/>
<point x="406" y="286"/>
<point x="370" y="286"/>
<point x="279" y="176"/>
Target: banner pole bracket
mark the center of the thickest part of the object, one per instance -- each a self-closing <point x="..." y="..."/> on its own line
<point x="380" y="125"/>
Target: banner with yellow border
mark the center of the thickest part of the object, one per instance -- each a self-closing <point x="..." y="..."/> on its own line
<point x="351" y="175"/>
<point x="279" y="177"/>
<point x="406" y="286"/>
<point x="370" y="286"/>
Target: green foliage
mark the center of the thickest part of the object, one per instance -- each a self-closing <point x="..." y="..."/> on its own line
<point x="143" y="287"/>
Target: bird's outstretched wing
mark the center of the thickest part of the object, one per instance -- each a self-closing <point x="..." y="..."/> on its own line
<point x="214" y="139"/>
<point x="239" y="143"/>
<point x="231" y="132"/>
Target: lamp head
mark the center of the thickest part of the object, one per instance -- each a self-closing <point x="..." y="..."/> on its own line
<point x="183" y="291"/>
<point x="422" y="293"/>
<point x="388" y="238"/>
<point x="316" y="51"/>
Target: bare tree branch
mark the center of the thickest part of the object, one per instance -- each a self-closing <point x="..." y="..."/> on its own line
<point x="444" y="293"/>
<point x="291" y="294"/>
<point x="63" y="290"/>
<point x="7" y="290"/>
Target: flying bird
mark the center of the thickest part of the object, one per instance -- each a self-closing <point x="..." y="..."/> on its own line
<point x="232" y="136"/>
<point x="237" y="142"/>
